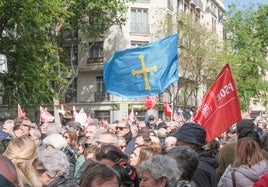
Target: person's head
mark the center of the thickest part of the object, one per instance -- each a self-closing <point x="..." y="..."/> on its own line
<point x="187" y="160"/>
<point x="106" y="138"/>
<point x="22" y="126"/>
<point x="122" y="143"/>
<point x="53" y="128"/>
<point x="170" y="142"/>
<point x="134" y="130"/>
<point x="141" y="139"/>
<point x="8" y="126"/>
<point x="35" y="134"/>
<point x="91" y="131"/>
<point x="162" y="133"/>
<point x="128" y="174"/>
<point x="151" y="120"/>
<point x="89" y="152"/>
<point x="109" y="155"/>
<point x="246" y="128"/>
<point x="55" y="141"/>
<point x="122" y="128"/>
<point x="99" y="175"/>
<point x="264" y="141"/>
<point x="8" y="172"/>
<point x="141" y="153"/>
<point x="23" y="153"/>
<point x="247" y="152"/>
<point x="53" y="163"/>
<point x="159" y="171"/>
<point x="43" y="128"/>
<point x="213" y="146"/>
<point x="191" y="134"/>
<point x="70" y="137"/>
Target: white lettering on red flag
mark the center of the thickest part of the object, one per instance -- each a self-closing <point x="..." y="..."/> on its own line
<point x="220" y="108"/>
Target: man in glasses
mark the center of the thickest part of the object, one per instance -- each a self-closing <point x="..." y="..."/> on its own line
<point x="122" y="129"/>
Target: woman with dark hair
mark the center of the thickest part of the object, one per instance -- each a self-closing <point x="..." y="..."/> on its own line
<point x="97" y="174"/>
<point x="248" y="166"/>
<point x="128" y="174"/>
<point x="110" y="155"/>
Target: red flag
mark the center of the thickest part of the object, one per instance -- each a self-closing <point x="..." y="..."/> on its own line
<point x="20" y="112"/>
<point x="150" y="102"/>
<point x="220" y="108"/>
<point x="64" y="110"/>
<point x="167" y="109"/>
<point x="89" y="120"/>
<point x="131" y="116"/>
<point x="45" y="116"/>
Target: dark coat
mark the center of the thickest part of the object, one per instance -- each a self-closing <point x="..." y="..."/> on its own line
<point x="205" y="174"/>
<point x="130" y="143"/>
<point x="61" y="182"/>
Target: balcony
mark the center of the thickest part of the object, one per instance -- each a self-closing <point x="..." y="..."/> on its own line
<point x="102" y="96"/>
<point x="95" y="60"/>
<point x="139" y="28"/>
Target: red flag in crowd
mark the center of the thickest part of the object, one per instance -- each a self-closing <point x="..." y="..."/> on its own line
<point x="64" y="110"/>
<point x="20" y="112"/>
<point x="220" y="108"/>
<point x="167" y="109"/>
<point x="150" y="102"/>
<point x="131" y="116"/>
<point x="74" y="112"/>
<point x="45" y="116"/>
<point x="89" y="120"/>
<point x="178" y="116"/>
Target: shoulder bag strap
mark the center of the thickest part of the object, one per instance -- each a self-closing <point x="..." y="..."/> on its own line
<point x="233" y="179"/>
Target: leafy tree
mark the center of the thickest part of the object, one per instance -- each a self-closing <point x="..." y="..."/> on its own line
<point x="247" y="44"/>
<point x="201" y="57"/>
<point x="33" y="39"/>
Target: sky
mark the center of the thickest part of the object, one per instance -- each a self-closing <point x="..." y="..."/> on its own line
<point x="243" y="3"/>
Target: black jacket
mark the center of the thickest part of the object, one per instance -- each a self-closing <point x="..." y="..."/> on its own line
<point x="205" y="174"/>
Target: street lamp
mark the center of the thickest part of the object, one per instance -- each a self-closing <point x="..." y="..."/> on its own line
<point x="3" y="64"/>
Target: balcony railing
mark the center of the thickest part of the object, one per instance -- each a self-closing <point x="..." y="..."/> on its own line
<point x="95" y="60"/>
<point x="102" y="96"/>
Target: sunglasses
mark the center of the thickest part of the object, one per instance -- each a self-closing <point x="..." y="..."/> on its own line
<point x="120" y="128"/>
<point x="41" y="171"/>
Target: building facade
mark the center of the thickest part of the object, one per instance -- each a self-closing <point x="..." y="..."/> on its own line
<point x="143" y="18"/>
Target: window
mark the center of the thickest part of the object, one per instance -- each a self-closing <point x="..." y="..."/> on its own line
<point x="96" y="50"/>
<point x="139" y="21"/>
<point x="71" y="94"/>
<point x="100" y="94"/>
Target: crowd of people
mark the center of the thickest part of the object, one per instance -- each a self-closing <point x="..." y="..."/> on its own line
<point x="153" y="153"/>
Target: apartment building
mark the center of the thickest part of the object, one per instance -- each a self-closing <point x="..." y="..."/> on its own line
<point x="143" y="17"/>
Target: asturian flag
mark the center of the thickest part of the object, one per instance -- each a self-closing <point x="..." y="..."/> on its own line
<point x="143" y="71"/>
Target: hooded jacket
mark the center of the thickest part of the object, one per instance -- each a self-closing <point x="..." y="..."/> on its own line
<point x="244" y="176"/>
<point x="205" y="174"/>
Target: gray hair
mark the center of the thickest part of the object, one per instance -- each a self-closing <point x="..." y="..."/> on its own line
<point x="186" y="158"/>
<point x="162" y="166"/>
<point x="53" y="128"/>
<point x="35" y="132"/>
<point x="54" y="160"/>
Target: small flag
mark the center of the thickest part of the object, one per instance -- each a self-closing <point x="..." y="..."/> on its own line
<point x="64" y="110"/>
<point x="142" y="71"/>
<point x="20" y="112"/>
<point x="45" y="116"/>
<point x="167" y="109"/>
<point x="81" y="117"/>
<point x="150" y="102"/>
<point x="220" y="108"/>
<point x="131" y="116"/>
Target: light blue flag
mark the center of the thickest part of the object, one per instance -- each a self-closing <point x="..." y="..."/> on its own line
<point x="142" y="71"/>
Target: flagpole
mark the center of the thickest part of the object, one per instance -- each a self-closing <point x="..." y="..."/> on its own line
<point x="172" y="98"/>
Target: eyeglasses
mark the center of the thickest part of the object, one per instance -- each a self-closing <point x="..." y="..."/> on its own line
<point x="120" y="128"/>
